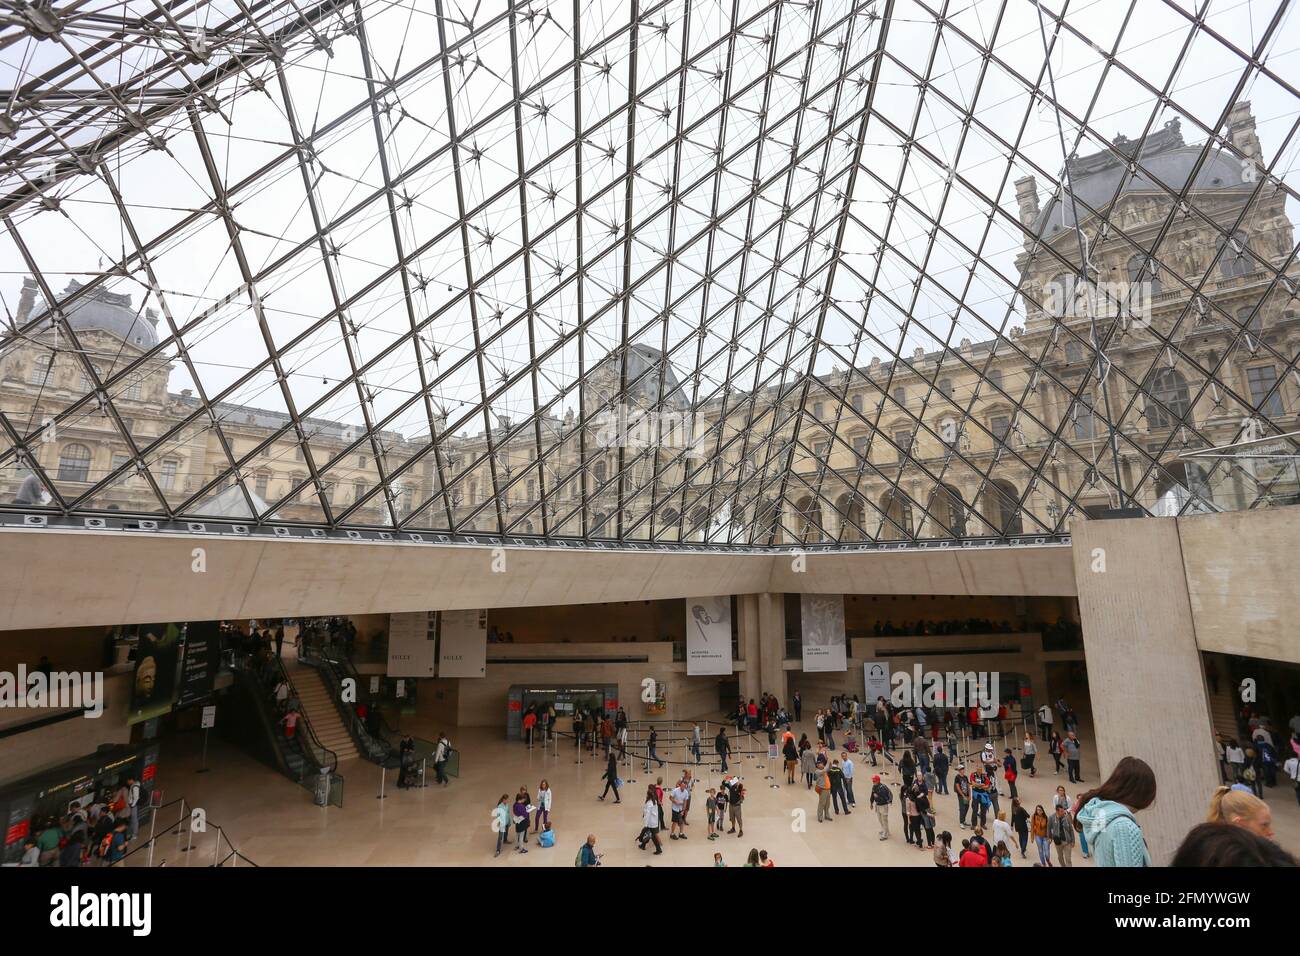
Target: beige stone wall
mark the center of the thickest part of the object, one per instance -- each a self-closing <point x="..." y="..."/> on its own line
<point x="36" y="750"/>
<point x="1144" y="673"/>
<point x="1243" y="579"/>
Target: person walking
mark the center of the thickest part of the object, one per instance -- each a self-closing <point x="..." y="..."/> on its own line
<point x="722" y="746"/>
<point x="1029" y="750"/>
<point x="881" y="798"/>
<point x="835" y="776"/>
<point x="1009" y="771"/>
<point x="808" y="765"/>
<point x="1106" y="814"/>
<point x="846" y="765"/>
<point x="1054" y="748"/>
<point x="650" y="820"/>
<point x="1061" y="829"/>
<point x="651" y="743"/>
<point x="1020" y="823"/>
<point x="610" y="776"/>
<point x="441" y="754"/>
<point x="1039" y="827"/>
<point x="1071" y="747"/>
<point x="677" y="797"/>
<point x="1045" y="721"/>
<point x="798" y="707"/>
<point x="791" y="754"/>
<point x="695" y="742"/>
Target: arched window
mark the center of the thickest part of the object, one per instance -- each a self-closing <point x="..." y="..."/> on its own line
<point x="1235" y="258"/>
<point x="1001" y="502"/>
<point x="74" y="463"/>
<point x="949" y="512"/>
<point x="897" y="521"/>
<point x="1172" y="401"/>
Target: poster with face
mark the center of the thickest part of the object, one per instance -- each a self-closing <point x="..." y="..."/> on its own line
<point x="157" y="656"/>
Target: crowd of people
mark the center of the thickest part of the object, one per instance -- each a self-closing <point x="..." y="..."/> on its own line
<point x="922" y="746"/>
<point x="98" y="833"/>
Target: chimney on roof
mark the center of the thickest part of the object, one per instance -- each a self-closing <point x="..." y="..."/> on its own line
<point x="1027" y="200"/>
<point x="1240" y="131"/>
<point x="26" y="299"/>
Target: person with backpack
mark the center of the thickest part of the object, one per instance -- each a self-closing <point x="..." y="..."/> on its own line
<point x="880" y="800"/>
<point x="1107" y="814"/>
<point x="610" y="776"/>
<point x="735" y="805"/>
<point x="1009" y="772"/>
<point x="650" y="822"/>
<point x="587" y="855"/>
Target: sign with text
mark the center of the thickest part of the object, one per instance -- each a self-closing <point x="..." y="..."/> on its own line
<point x="876" y="677"/>
<point x="462" y="650"/>
<point x="823" y="632"/>
<point x="200" y="661"/>
<point x="708" y="635"/>
<point x="412" y="645"/>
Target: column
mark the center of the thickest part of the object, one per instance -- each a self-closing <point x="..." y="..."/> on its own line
<point x="771" y="640"/>
<point x="747" y="627"/>
<point x="1144" y="673"/>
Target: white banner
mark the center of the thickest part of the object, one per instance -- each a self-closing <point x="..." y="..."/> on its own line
<point x="708" y="635"/>
<point x="463" y="649"/>
<point x="823" y="632"/>
<point x="412" y="650"/>
<point x="875" y="675"/>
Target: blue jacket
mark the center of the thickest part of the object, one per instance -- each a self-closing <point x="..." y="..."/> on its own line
<point x="1113" y="835"/>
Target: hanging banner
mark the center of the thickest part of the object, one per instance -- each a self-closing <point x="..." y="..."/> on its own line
<point x="157" y="659"/>
<point x="200" y="662"/>
<point x="708" y="635"/>
<point x="462" y="651"/>
<point x="412" y="644"/>
<point x="876" y="678"/>
<point x="823" y="632"/>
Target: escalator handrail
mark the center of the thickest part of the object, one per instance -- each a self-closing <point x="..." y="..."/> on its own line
<point x="332" y="763"/>
<point x="339" y="667"/>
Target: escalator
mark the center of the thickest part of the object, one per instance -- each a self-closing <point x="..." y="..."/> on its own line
<point x="254" y="725"/>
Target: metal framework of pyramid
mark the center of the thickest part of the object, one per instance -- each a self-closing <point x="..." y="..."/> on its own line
<point x="447" y="243"/>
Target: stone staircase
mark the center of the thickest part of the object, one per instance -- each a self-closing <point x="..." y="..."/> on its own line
<point x="1223" y="712"/>
<point x="322" y="712"/>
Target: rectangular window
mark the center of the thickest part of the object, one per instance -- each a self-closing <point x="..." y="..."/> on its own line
<point x="900" y="396"/>
<point x="903" y="439"/>
<point x="857" y="403"/>
<point x="1000" y="425"/>
<point x="167" y="474"/>
<point x="359" y="490"/>
<point x="259" y="487"/>
<point x="819" y="410"/>
<point x="362" y="461"/>
<point x="1085" y="425"/>
<point x="40" y="371"/>
<point x="1261" y="380"/>
<point x="821" y="449"/>
<point x="860" y="445"/>
<point x="119" y="460"/>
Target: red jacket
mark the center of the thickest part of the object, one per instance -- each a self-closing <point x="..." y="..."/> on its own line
<point x="973" y="856"/>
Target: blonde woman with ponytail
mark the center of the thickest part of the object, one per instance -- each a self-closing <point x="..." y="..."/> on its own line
<point x="1241" y="809"/>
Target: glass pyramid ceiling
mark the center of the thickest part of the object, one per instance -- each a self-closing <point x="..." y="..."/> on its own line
<point x="694" y="271"/>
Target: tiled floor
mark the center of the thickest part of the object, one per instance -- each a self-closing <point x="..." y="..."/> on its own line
<point x="274" y="823"/>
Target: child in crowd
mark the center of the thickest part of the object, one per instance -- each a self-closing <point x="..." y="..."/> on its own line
<point x="713" y="812"/>
<point x="720" y="804"/>
<point x="547" y="837"/>
<point x="717" y="860"/>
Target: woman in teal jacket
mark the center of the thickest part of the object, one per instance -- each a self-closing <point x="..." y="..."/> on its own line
<point x="1107" y="814"/>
